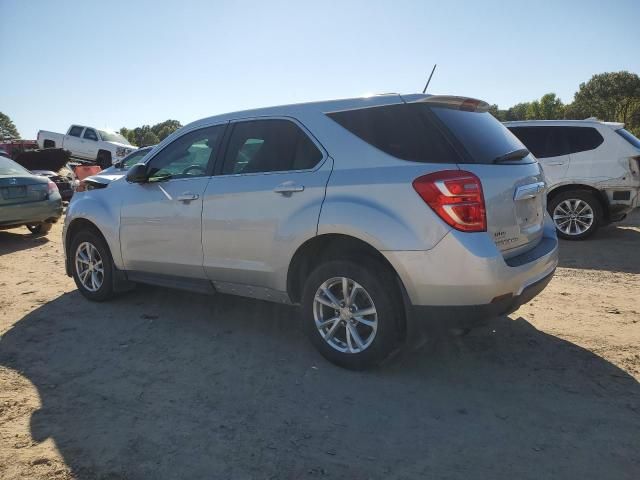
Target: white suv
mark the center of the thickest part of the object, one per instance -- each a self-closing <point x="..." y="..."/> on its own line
<point x="592" y="169"/>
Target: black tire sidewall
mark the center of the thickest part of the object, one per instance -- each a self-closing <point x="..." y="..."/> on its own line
<point x="383" y="292"/>
<point x="587" y="197"/>
<point x="40" y="229"/>
<point x="106" y="289"/>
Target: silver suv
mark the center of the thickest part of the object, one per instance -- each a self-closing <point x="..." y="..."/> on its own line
<point x="373" y="214"/>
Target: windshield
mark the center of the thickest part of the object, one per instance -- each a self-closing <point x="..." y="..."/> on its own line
<point x="113" y="137"/>
<point x="9" y="167"/>
<point x="484" y="138"/>
<point x="135" y="157"/>
<point x="629" y="137"/>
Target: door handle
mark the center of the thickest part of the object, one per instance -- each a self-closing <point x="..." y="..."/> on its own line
<point x="287" y="188"/>
<point x="555" y="163"/>
<point x="188" y="197"/>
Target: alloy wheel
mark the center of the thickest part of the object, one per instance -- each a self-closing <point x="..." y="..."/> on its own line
<point x="573" y="216"/>
<point x="345" y="315"/>
<point x="89" y="266"/>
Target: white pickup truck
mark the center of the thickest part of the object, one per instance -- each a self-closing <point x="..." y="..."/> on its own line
<point x="87" y="143"/>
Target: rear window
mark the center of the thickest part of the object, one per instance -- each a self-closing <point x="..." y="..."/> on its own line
<point x="629" y="137"/>
<point x="483" y="137"/>
<point x="400" y="131"/>
<point x="9" y="167"/>
<point x="421" y="133"/>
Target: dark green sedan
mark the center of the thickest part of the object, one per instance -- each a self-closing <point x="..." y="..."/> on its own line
<point x="27" y="199"/>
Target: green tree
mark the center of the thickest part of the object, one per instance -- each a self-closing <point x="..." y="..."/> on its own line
<point x="166" y="128"/>
<point x="611" y="96"/>
<point x="517" y="112"/>
<point x="149" y="138"/>
<point x="8" y="130"/>
<point x="549" y="107"/>
<point x="496" y="112"/>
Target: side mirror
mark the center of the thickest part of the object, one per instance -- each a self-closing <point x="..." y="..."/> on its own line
<point x="137" y="173"/>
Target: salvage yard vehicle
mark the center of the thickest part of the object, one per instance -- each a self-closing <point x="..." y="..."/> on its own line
<point x="88" y="144"/>
<point x="52" y="163"/>
<point x="373" y="214"/>
<point x="116" y="171"/>
<point x="592" y="169"/>
<point x="27" y="199"/>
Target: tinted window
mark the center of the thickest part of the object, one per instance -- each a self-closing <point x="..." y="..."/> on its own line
<point x="399" y="130"/>
<point x="582" y="139"/>
<point x="629" y="137"/>
<point x="187" y="156"/>
<point x="9" y="167"/>
<point x="90" y="134"/>
<point x="135" y="157"/>
<point x="484" y="138"/>
<point x="543" y="142"/>
<point x="269" y="146"/>
<point x="75" y="131"/>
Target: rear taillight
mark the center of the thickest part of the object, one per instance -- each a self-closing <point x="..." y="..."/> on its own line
<point x="456" y="196"/>
<point x="51" y="187"/>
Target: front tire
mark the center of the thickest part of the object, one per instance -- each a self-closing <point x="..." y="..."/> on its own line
<point x="92" y="266"/>
<point x="351" y="312"/>
<point x="576" y="214"/>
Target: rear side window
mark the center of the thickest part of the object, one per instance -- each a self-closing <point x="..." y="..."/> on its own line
<point x="399" y="130"/>
<point x="582" y="139"/>
<point x="629" y="137"/>
<point x="76" y="131"/>
<point x="269" y="146"/>
<point x="543" y="142"/>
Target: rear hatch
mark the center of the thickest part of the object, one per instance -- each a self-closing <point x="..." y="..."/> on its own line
<point x="512" y="180"/>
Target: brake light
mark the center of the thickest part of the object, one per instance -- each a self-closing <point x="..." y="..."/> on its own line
<point x="51" y="188"/>
<point x="456" y="196"/>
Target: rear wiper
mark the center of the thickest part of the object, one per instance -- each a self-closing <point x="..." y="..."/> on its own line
<point x="515" y="155"/>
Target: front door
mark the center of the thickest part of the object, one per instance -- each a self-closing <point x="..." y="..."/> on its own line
<point x="264" y="200"/>
<point x="161" y="220"/>
<point x="90" y="143"/>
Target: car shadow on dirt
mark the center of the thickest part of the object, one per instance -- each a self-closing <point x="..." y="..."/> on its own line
<point x="14" y="241"/>
<point x="163" y="384"/>
<point x="608" y="249"/>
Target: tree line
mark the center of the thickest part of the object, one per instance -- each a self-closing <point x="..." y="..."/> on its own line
<point x="150" y="135"/>
<point x="611" y="96"/>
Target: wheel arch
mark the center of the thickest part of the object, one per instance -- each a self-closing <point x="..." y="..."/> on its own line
<point x="76" y="226"/>
<point x="568" y="187"/>
<point x="332" y="246"/>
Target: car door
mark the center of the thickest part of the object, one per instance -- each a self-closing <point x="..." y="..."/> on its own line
<point x="161" y="220"/>
<point x="550" y="145"/>
<point x="73" y="141"/>
<point x="89" y="143"/>
<point x="262" y="203"/>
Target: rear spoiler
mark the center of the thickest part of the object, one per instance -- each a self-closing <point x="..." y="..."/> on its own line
<point x="466" y="104"/>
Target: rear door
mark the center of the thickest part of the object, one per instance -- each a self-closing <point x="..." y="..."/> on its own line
<point x="513" y="185"/>
<point x="265" y="197"/>
<point x="90" y="143"/>
<point x="74" y="143"/>
<point x="551" y="147"/>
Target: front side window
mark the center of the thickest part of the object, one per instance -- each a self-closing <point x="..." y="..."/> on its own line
<point x="90" y="134"/>
<point x="188" y="156"/>
<point x="113" y="137"/>
<point x="269" y="146"/>
<point x="76" y="131"/>
<point x="135" y="157"/>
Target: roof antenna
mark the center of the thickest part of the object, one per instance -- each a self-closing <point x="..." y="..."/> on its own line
<point x="429" y="81"/>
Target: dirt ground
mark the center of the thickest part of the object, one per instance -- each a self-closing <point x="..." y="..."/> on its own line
<point x="161" y="384"/>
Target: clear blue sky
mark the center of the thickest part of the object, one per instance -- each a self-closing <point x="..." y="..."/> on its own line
<point x="127" y="63"/>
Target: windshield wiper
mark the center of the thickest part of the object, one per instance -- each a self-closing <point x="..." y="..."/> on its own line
<point x="514" y="155"/>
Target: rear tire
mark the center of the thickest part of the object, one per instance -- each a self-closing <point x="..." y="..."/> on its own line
<point x="39" y="228"/>
<point x="577" y="214"/>
<point x="92" y="266"/>
<point x="360" y="341"/>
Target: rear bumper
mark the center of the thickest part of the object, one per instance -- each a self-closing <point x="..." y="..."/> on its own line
<point x="469" y="316"/>
<point x="33" y="212"/>
<point x="466" y="278"/>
